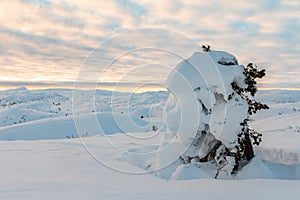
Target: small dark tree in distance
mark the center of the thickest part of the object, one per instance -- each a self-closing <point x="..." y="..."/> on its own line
<point x="205" y="48"/>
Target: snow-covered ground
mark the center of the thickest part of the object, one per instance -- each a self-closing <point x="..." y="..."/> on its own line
<point x="62" y="169"/>
<point x="42" y="158"/>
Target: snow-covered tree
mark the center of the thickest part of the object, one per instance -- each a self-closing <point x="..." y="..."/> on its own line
<point x="208" y="110"/>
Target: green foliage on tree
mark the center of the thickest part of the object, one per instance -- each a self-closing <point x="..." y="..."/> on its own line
<point x="248" y="137"/>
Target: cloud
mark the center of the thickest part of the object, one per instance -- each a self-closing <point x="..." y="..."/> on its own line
<point x="48" y="40"/>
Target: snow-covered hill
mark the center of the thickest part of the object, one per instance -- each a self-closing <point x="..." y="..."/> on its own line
<point x="20" y="106"/>
<point x="47" y="114"/>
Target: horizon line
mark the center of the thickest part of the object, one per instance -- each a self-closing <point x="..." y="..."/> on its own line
<point x="148" y="88"/>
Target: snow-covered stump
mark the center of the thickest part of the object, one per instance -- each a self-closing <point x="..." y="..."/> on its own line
<point x="205" y="78"/>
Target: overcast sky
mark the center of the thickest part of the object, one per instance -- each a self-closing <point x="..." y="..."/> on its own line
<point x="44" y="42"/>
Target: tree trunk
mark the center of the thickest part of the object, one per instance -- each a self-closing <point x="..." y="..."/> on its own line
<point x="249" y="153"/>
<point x="212" y="153"/>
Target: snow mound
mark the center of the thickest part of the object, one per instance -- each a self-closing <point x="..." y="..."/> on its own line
<point x="223" y="58"/>
<point x="255" y="169"/>
<point x="186" y="172"/>
<point x="295" y="128"/>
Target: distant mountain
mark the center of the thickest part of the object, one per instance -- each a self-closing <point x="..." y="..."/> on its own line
<point x="279" y="96"/>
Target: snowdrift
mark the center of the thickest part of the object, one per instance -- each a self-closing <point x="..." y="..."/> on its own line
<point x="64" y="127"/>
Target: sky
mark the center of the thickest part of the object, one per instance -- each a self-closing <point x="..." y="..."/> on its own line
<point x="48" y="43"/>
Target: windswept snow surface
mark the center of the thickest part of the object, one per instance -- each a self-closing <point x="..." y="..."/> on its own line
<point x="62" y="169"/>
